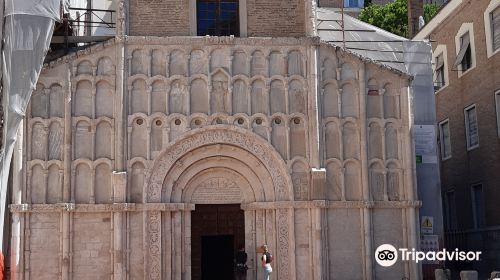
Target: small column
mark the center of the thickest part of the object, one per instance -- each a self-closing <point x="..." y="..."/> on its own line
<point x="119" y="195"/>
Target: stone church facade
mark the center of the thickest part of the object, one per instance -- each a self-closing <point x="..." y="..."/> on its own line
<point x="125" y="141"/>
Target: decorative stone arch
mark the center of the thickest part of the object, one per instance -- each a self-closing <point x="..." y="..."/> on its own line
<point x="221" y="135"/>
<point x="221" y="153"/>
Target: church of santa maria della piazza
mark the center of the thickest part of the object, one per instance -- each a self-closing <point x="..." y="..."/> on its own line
<point x="157" y="153"/>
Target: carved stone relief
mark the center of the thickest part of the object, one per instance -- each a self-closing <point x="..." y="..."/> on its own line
<point x="178" y="98"/>
<point x="219" y="99"/>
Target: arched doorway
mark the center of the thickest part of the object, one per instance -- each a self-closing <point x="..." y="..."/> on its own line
<point x="217" y="165"/>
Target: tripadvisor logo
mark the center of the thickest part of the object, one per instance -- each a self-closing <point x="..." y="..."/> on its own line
<point x="387" y="255"/>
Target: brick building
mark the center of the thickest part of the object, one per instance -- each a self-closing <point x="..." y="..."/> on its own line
<point x="466" y="49"/>
<point x="214" y="123"/>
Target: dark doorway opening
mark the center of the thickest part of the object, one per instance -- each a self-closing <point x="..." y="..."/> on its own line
<point x="217" y="254"/>
<point x="217" y="230"/>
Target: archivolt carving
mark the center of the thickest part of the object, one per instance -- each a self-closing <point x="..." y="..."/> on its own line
<point x="220" y="134"/>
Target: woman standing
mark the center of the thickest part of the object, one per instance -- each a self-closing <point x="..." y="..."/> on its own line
<point x="267" y="259"/>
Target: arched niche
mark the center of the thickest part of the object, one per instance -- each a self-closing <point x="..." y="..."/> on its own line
<point x="296" y="97"/>
<point x="138" y="63"/>
<point x="103" y="140"/>
<point x="38" y="187"/>
<point x="277" y="97"/>
<point x="199" y="97"/>
<point x="139" y="98"/>
<point x="158" y="97"/>
<point x="391" y="102"/>
<point x="240" y="63"/>
<point x="332" y="140"/>
<point x="105" y="67"/>
<point x="276" y="64"/>
<point x="56" y="137"/>
<point x="104" y="105"/>
<point x="298" y="138"/>
<point x="350" y="141"/>
<point x="349" y="101"/>
<point x="279" y="135"/>
<point x="391" y="141"/>
<point x="139" y="138"/>
<point x="352" y="181"/>
<point x="39" y="135"/>
<point x="373" y="100"/>
<point x="219" y="99"/>
<point x="334" y="181"/>
<point x="329" y="69"/>
<point x="137" y="182"/>
<point x="347" y="72"/>
<point x="178" y="98"/>
<point x="259" y="64"/>
<point x="295" y="63"/>
<point x="84" y="68"/>
<point x="83" y="140"/>
<point x="54" y="186"/>
<point x="375" y="141"/>
<point x="259" y="126"/>
<point x="240" y="96"/>
<point x="158" y="63"/>
<point x="377" y="181"/>
<point x="198" y="63"/>
<point x="82" y="99"/>
<point x="56" y="98"/>
<point x="83" y="185"/>
<point x="157" y="128"/>
<point x="259" y="97"/>
<point x="177" y="127"/>
<point x="178" y="63"/>
<point x="219" y="58"/>
<point x="102" y="185"/>
<point x="300" y="180"/>
<point x="39" y="102"/>
<point x="394" y="181"/>
<point x="331" y="101"/>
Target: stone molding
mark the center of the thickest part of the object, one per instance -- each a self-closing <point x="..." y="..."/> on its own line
<point x="211" y="40"/>
<point x="172" y="207"/>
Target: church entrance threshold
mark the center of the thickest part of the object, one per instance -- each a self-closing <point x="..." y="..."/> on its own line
<point x="217" y="230"/>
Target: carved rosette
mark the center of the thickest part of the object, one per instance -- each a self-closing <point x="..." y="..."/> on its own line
<point x="154" y="244"/>
<point x="284" y="244"/>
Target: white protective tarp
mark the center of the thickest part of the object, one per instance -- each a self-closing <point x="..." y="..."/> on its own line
<point x="28" y="27"/>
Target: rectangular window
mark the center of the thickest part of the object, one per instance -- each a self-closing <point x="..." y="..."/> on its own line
<point x="471" y="128"/>
<point x="478" y="212"/>
<point x="464" y="57"/>
<point x="444" y="136"/>
<point x="439" y="80"/>
<point x="450" y="210"/>
<point x="495" y="28"/>
<point x="217" y="17"/>
<point x="497" y="102"/>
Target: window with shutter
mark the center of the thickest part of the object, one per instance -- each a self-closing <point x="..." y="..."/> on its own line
<point x="495" y="28"/>
<point x="471" y="127"/>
